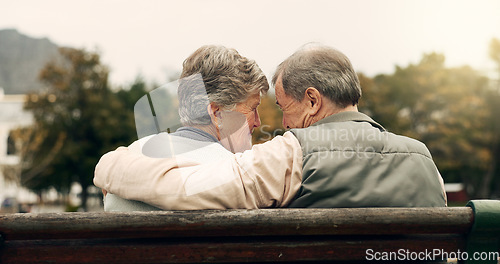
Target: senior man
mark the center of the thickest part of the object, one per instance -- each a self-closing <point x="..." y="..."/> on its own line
<point x="333" y="156"/>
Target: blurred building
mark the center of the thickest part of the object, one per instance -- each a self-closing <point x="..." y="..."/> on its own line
<point x="12" y="116"/>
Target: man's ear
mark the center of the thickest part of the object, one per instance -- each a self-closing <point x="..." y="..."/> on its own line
<point x="313" y="100"/>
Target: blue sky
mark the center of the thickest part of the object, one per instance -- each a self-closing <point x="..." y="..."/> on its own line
<point x="153" y="37"/>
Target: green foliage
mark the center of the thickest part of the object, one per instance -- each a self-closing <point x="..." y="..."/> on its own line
<point x="71" y="208"/>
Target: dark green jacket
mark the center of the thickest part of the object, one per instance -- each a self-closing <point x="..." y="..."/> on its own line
<point x="349" y="160"/>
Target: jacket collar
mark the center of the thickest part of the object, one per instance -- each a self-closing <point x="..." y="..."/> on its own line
<point x="349" y="116"/>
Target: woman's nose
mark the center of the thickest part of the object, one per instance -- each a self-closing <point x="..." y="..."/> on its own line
<point x="257" y="119"/>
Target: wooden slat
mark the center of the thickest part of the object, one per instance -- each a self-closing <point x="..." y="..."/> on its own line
<point x="197" y="250"/>
<point x="268" y="222"/>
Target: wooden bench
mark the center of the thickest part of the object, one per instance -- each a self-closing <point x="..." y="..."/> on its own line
<point x="275" y="235"/>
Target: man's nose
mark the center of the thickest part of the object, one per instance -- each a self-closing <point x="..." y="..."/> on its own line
<point x="284" y="123"/>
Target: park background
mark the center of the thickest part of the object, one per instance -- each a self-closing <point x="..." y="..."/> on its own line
<point x="428" y="69"/>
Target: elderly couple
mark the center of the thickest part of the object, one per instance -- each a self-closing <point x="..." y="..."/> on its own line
<point x="332" y="156"/>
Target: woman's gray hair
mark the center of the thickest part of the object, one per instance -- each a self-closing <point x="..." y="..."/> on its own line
<point x="193" y="101"/>
<point x="324" y="68"/>
<point x="228" y="79"/>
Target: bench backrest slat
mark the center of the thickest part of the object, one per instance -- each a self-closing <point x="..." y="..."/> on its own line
<point x="265" y="222"/>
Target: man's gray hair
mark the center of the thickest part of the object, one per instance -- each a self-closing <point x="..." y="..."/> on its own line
<point x="324" y="68"/>
<point x="228" y="78"/>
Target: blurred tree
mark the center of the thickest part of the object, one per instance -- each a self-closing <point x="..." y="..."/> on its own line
<point x="271" y="123"/>
<point x="129" y="97"/>
<point x="495" y="52"/>
<point x="77" y="120"/>
<point x="443" y="107"/>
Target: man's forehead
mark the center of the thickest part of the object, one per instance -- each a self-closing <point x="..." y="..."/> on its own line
<point x="278" y="90"/>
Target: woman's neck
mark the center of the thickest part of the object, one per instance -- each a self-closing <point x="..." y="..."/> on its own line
<point x="210" y="129"/>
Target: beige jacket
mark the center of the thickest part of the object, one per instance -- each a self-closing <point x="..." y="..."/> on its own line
<point x="268" y="175"/>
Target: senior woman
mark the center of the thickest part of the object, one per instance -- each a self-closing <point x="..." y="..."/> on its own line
<point x="219" y="92"/>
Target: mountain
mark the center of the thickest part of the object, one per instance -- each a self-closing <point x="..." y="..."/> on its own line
<point x="21" y="59"/>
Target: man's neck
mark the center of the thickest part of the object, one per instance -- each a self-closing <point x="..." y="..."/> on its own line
<point x="350" y="108"/>
<point x="328" y="111"/>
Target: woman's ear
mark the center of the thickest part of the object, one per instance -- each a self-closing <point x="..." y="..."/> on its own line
<point x="313" y="100"/>
<point x="212" y="110"/>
